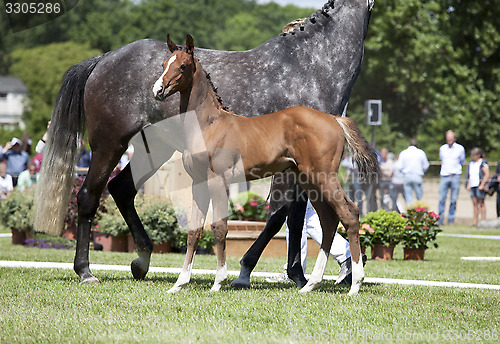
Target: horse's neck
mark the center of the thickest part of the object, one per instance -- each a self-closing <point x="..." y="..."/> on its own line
<point x="201" y="99"/>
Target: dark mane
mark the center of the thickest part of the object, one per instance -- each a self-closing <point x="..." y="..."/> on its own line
<point x="318" y="16"/>
<point x="219" y="99"/>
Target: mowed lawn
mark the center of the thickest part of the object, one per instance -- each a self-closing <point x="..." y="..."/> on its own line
<point x="49" y="305"/>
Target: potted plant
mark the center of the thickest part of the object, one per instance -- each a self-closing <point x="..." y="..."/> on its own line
<point x="205" y="246"/>
<point x="111" y="230"/>
<point x="160" y="222"/>
<point x="388" y="227"/>
<point x="420" y="231"/>
<point x="365" y="235"/>
<point x="248" y="212"/>
<point x="16" y="213"/>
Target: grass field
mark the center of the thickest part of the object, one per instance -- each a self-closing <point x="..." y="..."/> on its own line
<point x="49" y="305"/>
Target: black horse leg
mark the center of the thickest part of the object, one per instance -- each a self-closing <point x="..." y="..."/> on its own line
<point x="123" y="190"/>
<point x="101" y="165"/>
<point x="295" y="224"/>
<point x="283" y="195"/>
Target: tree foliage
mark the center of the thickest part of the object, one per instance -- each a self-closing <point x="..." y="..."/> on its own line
<point x="435" y="64"/>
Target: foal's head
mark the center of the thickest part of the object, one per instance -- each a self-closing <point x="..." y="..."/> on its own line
<point x="178" y="70"/>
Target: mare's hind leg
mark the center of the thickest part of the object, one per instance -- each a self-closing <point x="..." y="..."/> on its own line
<point x="201" y="199"/>
<point x="101" y="166"/>
<point x="219" y="196"/>
<point x="123" y="190"/>
<point x="283" y="196"/>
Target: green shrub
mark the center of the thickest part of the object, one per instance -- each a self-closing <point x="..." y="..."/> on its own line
<point x="16" y="210"/>
<point x="388" y="227"/>
<point x="248" y="206"/>
<point x="207" y="240"/>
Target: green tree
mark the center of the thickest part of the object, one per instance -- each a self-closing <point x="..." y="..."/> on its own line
<point x="42" y="69"/>
<point x="435" y="64"/>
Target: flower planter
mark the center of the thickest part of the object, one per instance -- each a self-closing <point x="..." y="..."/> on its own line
<point x="164" y="247"/>
<point x="252" y="226"/>
<point x="111" y="243"/>
<point x="70" y="232"/>
<point x="414" y="253"/>
<point x="382" y="252"/>
<point x="18" y="237"/>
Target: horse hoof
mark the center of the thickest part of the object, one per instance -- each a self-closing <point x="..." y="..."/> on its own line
<point x="308" y="287"/>
<point x="174" y="289"/>
<point x="89" y="280"/>
<point x="240" y="284"/>
<point x="300" y="281"/>
<point x="215" y="288"/>
<point x="138" y="271"/>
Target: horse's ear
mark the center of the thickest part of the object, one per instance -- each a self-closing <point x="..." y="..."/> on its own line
<point x="171" y="45"/>
<point x="189" y="44"/>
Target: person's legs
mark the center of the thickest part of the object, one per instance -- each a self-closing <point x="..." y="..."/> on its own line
<point x="498" y="204"/>
<point x="454" y="185"/>
<point x="408" y="192"/>
<point x="418" y="186"/>
<point x="444" y="184"/>
<point x="482" y="209"/>
<point x="475" y="207"/>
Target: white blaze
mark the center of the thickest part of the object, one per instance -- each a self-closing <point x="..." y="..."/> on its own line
<point x="158" y="84"/>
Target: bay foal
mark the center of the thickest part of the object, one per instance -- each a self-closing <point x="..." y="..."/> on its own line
<point x="225" y="146"/>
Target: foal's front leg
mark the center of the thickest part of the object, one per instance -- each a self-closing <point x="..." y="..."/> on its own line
<point x="201" y="200"/>
<point x="219" y="195"/>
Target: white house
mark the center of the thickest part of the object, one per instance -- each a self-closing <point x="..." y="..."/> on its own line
<point x="13" y="92"/>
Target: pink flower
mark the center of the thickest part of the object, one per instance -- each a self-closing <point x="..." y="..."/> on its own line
<point x="420" y="209"/>
<point x="267" y="207"/>
<point x="367" y="227"/>
<point x="425" y="227"/>
<point x="254" y="204"/>
<point x="239" y="207"/>
<point x="434" y="215"/>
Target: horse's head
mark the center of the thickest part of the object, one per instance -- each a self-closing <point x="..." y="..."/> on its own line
<point x="178" y="70"/>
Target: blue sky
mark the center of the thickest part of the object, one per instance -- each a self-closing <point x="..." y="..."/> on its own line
<point x="301" y="3"/>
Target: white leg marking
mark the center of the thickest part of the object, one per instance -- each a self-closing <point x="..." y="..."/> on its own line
<point x="358" y="275"/>
<point x="220" y="277"/>
<point x="159" y="83"/>
<point x="317" y="274"/>
<point x="184" y="278"/>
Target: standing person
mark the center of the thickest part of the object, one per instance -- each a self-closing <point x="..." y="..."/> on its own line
<point x="414" y="164"/>
<point x="397" y="185"/>
<point x="478" y="174"/>
<point x="384" y="186"/>
<point x="6" y="186"/>
<point x="497" y="177"/>
<point x="27" y="178"/>
<point x="17" y="159"/>
<point x="452" y="157"/>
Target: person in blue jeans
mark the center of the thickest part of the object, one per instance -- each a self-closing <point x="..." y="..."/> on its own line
<point x="413" y="163"/>
<point x="452" y="157"/>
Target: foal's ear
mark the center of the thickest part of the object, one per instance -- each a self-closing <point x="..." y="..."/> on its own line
<point x="171" y="45"/>
<point x="189" y="44"/>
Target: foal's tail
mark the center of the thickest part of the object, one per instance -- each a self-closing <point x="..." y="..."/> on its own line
<point x="66" y="129"/>
<point x="364" y="154"/>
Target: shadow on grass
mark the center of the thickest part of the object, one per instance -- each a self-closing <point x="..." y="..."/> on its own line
<point x="206" y="282"/>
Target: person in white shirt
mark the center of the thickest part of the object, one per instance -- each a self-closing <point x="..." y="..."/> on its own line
<point x="6" y="185"/>
<point x="452" y="157"/>
<point x="413" y="163"/>
<point x="478" y="174"/>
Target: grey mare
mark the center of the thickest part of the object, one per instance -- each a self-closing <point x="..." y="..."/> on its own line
<point x="111" y="93"/>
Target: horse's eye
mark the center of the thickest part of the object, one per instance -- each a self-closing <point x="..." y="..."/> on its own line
<point x="182" y="67"/>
